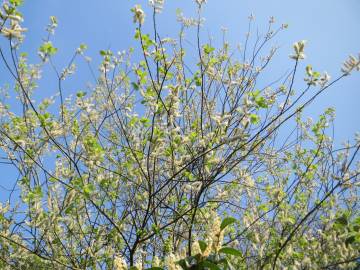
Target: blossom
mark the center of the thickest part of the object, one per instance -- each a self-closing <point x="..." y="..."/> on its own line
<point x="351" y="64"/>
<point x="119" y="263"/>
<point x="324" y="79"/>
<point x="192" y="187"/>
<point x="158" y="5"/>
<point x="195" y="248"/>
<point x="188" y="22"/>
<point x="139" y="14"/>
<point x="299" y="50"/>
<point x="170" y="262"/>
<point x="156" y="262"/>
<point x="215" y="235"/>
<point x="218" y="234"/>
<point x="15" y="30"/>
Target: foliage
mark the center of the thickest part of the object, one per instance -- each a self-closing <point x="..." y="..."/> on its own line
<point x="172" y="164"/>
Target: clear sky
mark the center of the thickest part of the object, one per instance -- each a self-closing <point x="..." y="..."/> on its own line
<point x="331" y="28"/>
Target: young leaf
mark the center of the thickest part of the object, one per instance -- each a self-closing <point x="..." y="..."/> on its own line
<point x="202" y="245"/>
<point x="16" y="2"/>
<point x="254" y="118"/>
<point x="209" y="265"/>
<point x="230" y="251"/>
<point x="226" y="222"/>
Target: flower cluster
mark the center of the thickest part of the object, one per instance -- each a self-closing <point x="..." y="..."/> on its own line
<point x="299" y="50"/>
<point x="10" y="20"/>
<point x="315" y="78"/>
<point x="158" y="5"/>
<point x="187" y="22"/>
<point x="351" y="64"/>
<point x="139" y="14"/>
<point x="119" y="263"/>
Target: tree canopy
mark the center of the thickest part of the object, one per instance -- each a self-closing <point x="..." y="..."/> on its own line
<point x="174" y="163"/>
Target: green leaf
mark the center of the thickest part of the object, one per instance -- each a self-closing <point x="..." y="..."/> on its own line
<point x="80" y="94"/>
<point x="137" y="34"/>
<point x="202" y="245"/>
<point x="48" y="48"/>
<point x="210" y="265"/>
<point x="254" y="118"/>
<point x="83" y="46"/>
<point x="230" y="251"/>
<point x="53" y="20"/>
<point x="351" y="239"/>
<point x="155" y="268"/>
<point x="135" y="86"/>
<point x="208" y="49"/>
<point x="147" y="42"/>
<point x="189" y="175"/>
<point x="342" y="220"/>
<point x="226" y="263"/>
<point x="105" y="53"/>
<point x="144" y="120"/>
<point x="16" y="2"/>
<point x="226" y="222"/>
<point x="88" y="189"/>
<point x="197" y="79"/>
<point x="316" y="74"/>
<point x="38" y="191"/>
<point x="261" y="102"/>
<point x="155" y="229"/>
<point x="184" y="263"/>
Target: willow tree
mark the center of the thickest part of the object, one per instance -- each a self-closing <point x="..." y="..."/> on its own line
<point x="171" y="163"/>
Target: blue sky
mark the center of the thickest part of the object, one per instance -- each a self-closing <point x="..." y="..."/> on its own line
<point x="330" y="27"/>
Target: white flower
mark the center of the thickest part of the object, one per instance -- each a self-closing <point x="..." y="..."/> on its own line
<point x="156" y="262"/>
<point x="139" y="14"/>
<point x="351" y="64"/>
<point x="324" y="79"/>
<point x="188" y="22"/>
<point x="119" y="263"/>
<point x="192" y="187"/>
<point x="15" y="30"/>
<point x="170" y="262"/>
<point x="158" y="5"/>
<point x="195" y="248"/>
<point x="15" y="18"/>
<point x="299" y="50"/>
